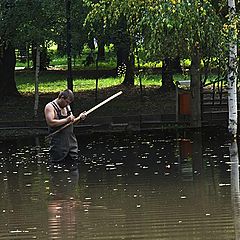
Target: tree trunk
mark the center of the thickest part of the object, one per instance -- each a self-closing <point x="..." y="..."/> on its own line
<point x="129" y="75"/>
<point x="125" y="53"/>
<point x="176" y="65"/>
<point x="125" y="61"/>
<point x="196" y="89"/>
<point x="36" y="102"/>
<point x="232" y="71"/>
<point x="44" y="59"/>
<point x="101" y="50"/>
<point x="7" y="71"/>
<point x="61" y="48"/>
<point x="121" y="56"/>
<point x="167" y="75"/>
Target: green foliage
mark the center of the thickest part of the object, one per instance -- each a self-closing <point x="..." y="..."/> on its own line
<point x="162" y="28"/>
<point x="41" y="22"/>
<point x="156" y="28"/>
<point x="174" y="28"/>
<point x="29" y="21"/>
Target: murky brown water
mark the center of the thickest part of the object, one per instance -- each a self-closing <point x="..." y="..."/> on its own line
<point x="136" y="186"/>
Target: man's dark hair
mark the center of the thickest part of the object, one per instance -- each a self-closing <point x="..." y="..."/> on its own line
<point x="66" y="94"/>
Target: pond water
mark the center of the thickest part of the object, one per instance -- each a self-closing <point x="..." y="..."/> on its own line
<point x="163" y="185"/>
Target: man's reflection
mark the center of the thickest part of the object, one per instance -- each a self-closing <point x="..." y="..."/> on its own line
<point x="62" y="207"/>
<point x="233" y="149"/>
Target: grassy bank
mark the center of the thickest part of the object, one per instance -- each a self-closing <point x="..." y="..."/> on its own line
<point x="51" y="82"/>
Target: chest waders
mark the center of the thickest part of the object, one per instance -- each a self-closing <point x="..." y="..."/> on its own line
<point x="63" y="144"/>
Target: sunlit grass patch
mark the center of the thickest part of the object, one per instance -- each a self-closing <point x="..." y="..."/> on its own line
<point x="57" y="81"/>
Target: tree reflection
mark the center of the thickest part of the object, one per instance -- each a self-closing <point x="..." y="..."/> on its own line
<point x="233" y="149"/>
<point x="191" y="161"/>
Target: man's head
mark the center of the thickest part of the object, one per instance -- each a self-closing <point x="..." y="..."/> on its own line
<point x="65" y="97"/>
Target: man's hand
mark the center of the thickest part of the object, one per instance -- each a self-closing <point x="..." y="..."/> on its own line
<point x="83" y="115"/>
<point x="70" y="119"/>
<point x="80" y="117"/>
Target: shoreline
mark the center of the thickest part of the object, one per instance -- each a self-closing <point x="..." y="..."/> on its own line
<point x="152" y="110"/>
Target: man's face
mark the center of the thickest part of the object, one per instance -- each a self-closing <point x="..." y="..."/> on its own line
<point x="64" y="102"/>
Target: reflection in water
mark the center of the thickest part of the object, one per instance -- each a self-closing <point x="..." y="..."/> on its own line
<point x="164" y="185"/>
<point x="186" y="159"/>
<point x="235" y="186"/>
<point x="62" y="207"/>
<point x="190" y="151"/>
<point x="197" y="153"/>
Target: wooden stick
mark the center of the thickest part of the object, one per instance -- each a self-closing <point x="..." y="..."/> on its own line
<point x="87" y="112"/>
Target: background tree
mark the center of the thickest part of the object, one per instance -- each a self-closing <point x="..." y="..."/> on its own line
<point x="8" y="24"/>
<point x="37" y="24"/>
<point x="116" y="30"/>
<point x="170" y="29"/>
<point x="189" y="29"/>
<point x="23" y="22"/>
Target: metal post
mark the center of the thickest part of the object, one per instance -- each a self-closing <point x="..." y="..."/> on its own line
<point x="69" y="45"/>
<point x="96" y="89"/>
<point x="97" y="68"/>
<point x="177" y="101"/>
<point x="139" y="74"/>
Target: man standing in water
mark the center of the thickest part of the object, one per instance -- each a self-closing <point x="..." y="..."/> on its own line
<point x="63" y="144"/>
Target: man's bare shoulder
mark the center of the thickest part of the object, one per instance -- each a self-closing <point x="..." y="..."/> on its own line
<point x="49" y="106"/>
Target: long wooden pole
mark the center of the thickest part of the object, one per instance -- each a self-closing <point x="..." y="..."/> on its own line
<point x="86" y="113"/>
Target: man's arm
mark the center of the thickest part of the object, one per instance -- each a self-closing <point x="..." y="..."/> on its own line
<point x="50" y="117"/>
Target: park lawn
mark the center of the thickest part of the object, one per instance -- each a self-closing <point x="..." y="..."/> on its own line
<point x="55" y="81"/>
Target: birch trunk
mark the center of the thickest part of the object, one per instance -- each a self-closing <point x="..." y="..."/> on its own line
<point x="232" y="71"/>
<point x="36" y="102"/>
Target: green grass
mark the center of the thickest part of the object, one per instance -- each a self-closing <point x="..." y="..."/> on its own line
<point x="55" y="82"/>
<point x="57" y="86"/>
<point x="49" y="82"/>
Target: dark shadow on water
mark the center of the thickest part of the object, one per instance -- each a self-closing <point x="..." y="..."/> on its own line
<point x="64" y="182"/>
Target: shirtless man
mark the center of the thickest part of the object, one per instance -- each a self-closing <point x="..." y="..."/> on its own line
<point x="63" y="145"/>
